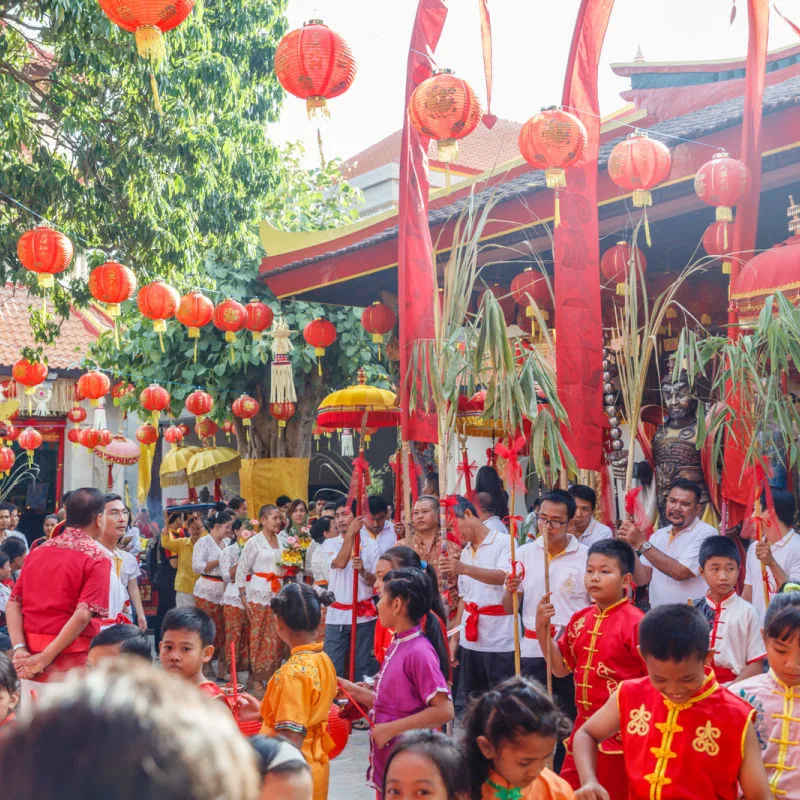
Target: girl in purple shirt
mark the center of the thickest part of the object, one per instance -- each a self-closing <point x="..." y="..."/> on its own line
<point x="411" y="691"/>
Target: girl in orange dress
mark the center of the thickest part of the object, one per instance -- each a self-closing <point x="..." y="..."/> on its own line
<point x="299" y="695"/>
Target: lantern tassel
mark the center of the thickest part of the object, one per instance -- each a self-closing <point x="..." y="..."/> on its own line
<point x="233" y="353"/>
<point x="319" y="366"/>
<point x="557" y="213"/>
<point x="316" y="105"/>
<point x="116" y="334"/>
<point x="150" y="44"/>
<point x="647" y="230"/>
<point x="726" y="267"/>
<point x="161" y="341"/>
<point x="724" y="214"/>
<point x="195" y="351"/>
<point x="156" y="97"/>
<point x="724" y="237"/>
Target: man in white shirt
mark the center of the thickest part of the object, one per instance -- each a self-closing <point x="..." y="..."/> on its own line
<point x="378" y="531"/>
<point x="583" y="525"/>
<point x="670" y="560"/>
<point x="782" y="558"/>
<point x="487" y="633"/>
<point x="339" y="617"/>
<point x="566" y="562"/>
<point x="488" y="513"/>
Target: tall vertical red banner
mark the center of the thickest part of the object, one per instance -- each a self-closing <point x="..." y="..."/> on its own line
<point x="416" y="279"/>
<point x="579" y="327"/>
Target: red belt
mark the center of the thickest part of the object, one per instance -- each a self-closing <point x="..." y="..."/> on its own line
<point x="39" y="641"/>
<point x="120" y="619"/>
<point x="471" y="628"/>
<point x="212" y="578"/>
<point x="532" y="634"/>
<point x="274" y="580"/>
<point x="364" y="608"/>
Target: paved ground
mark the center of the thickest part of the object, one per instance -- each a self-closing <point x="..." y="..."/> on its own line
<point x="349" y="770"/>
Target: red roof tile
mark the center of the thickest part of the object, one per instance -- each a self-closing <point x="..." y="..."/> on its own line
<point x="482" y="150"/>
<point x="78" y="331"/>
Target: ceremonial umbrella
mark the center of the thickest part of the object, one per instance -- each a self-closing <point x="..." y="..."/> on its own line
<point x="360" y="406"/>
<point x="212" y="464"/>
<point x="173" y="467"/>
<point x="119" y="450"/>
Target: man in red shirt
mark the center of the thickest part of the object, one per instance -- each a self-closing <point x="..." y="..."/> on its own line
<point x="62" y="594"/>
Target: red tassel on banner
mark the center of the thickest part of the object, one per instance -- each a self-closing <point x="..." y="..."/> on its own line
<point x="489" y="119"/>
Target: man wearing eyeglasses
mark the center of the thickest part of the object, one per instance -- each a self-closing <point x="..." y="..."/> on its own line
<point x="565" y="559"/>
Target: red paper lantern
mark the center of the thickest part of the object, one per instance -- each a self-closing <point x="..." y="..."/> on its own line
<point x="7" y="431"/>
<point x="258" y="318"/>
<point x="94" y="385"/>
<point x="445" y="108"/>
<point x="120" y="390"/>
<point x="504" y="300"/>
<point x="74" y="435"/>
<point x="29" y="440"/>
<point x="112" y="283"/>
<point x="229" y="316"/>
<point x="46" y="252"/>
<point x="245" y="407"/>
<point x="147" y="434"/>
<point x="195" y="311"/>
<point x="185" y="429"/>
<point x="339" y="729"/>
<point x="319" y="333"/>
<point x="206" y="428"/>
<point x="89" y="437"/>
<point x="29" y="373"/>
<point x="378" y="319"/>
<point x="722" y="182"/>
<point x="531" y="287"/>
<point x="282" y="412"/>
<point x="638" y="164"/>
<point x="616" y="263"/>
<point x="77" y="414"/>
<point x="7" y="460"/>
<point x="718" y="242"/>
<point x="199" y="403"/>
<point x="228" y="427"/>
<point x="155" y="399"/>
<point x="104" y="437"/>
<point x="315" y="64"/>
<point x="158" y="302"/>
<point x="174" y="434"/>
<point x="553" y="140"/>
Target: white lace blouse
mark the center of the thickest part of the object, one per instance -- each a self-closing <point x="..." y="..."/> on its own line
<point x="230" y="558"/>
<point x="205" y="550"/>
<point x="259" y="559"/>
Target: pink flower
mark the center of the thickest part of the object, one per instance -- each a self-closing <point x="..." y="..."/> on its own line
<point x="292" y="541"/>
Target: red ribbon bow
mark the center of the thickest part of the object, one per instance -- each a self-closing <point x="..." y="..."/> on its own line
<point x="453" y="533"/>
<point x="466" y="469"/>
<point x="513" y="472"/>
<point x="511" y="522"/>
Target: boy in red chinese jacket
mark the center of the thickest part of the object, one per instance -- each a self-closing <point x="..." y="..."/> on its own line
<point x="684" y="737"/>
<point x="600" y="646"/>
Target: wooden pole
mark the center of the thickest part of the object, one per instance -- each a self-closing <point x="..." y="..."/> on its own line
<point x="546" y="547"/>
<point x="515" y="595"/>
<point x="356" y="553"/>
<point x="406" y="450"/>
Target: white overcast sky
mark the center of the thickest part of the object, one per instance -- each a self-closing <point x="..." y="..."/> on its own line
<point x="531" y="44"/>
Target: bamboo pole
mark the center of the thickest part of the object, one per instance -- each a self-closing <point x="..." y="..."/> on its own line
<point x="548" y="647"/>
<point x="356" y="553"/>
<point x="406" y="467"/>
<point x="515" y="595"/>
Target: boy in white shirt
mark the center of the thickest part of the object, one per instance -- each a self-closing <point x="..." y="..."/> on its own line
<point x="586" y="529"/>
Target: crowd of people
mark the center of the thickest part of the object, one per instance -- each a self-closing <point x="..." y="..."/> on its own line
<point x="689" y="690"/>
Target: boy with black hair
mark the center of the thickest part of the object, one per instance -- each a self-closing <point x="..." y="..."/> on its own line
<point x="684" y="736"/>
<point x="16" y="552"/>
<point x="116" y="640"/>
<point x="736" y="645"/>
<point x="600" y="647"/>
<point x="187" y="645"/>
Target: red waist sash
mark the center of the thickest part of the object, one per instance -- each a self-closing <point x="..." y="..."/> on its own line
<point x="364" y="608"/>
<point x="474" y="613"/>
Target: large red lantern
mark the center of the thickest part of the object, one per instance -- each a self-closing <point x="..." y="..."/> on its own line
<point x="378" y="319"/>
<point x="617" y="262"/>
<point x="206" y="428"/>
<point x="46" y="252"/>
<point x="531" y="287"/>
<point x="147" y="434"/>
<point x="29" y="440"/>
<point x="74" y="435"/>
<point x="315" y="64"/>
<point x="77" y="414"/>
<point x="104" y="437"/>
<point x="230" y="316"/>
<point x="174" y="434"/>
<point x="185" y="428"/>
<point x="30" y="374"/>
<point x="199" y="403"/>
<point x="258" y="318"/>
<point x="7" y="460"/>
<point x="339" y="730"/>
<point x="94" y="385"/>
<point x="158" y="302"/>
<point x="445" y="108"/>
<point x="319" y="333"/>
<point x="282" y="412"/>
<point x="245" y="407"/>
<point x="112" y="283"/>
<point x="8" y="432"/>
<point x="155" y="399"/>
<point x="194" y="311"/>
<point x="553" y="140"/>
<point x="722" y="182"/>
<point x="718" y="242"/>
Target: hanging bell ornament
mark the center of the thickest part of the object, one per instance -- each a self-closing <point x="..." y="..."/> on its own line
<point x="611" y="410"/>
<point x="610" y="399"/>
<point x="608" y="387"/>
<point x="617" y="444"/>
<point x="606" y="364"/>
<point x="606" y="352"/>
<point x="607" y="377"/>
<point x="613" y="421"/>
<point x="616" y="433"/>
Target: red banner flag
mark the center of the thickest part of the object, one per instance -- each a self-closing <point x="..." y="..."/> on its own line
<point x="416" y="276"/>
<point x="579" y="332"/>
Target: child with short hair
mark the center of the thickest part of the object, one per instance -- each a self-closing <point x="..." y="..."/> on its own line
<point x="510" y="735"/>
<point x="9" y="691"/>
<point x="284" y="771"/>
<point x="600" y="645"/>
<point x="116" y="640"/>
<point x="187" y="645"/>
<point x="775" y="695"/>
<point x="684" y="736"/>
<point x="736" y="647"/>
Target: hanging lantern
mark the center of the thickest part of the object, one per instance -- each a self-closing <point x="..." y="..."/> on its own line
<point x="282" y="412"/>
<point x="281" y="389"/>
<point x="8" y="432"/>
<point x="174" y="435"/>
<point x="30" y="374"/>
<point x="199" y="403"/>
<point x="378" y="319"/>
<point x="229" y="428"/>
<point x="94" y="385"/>
<point x="7" y="460"/>
<point x="112" y="283"/>
<point x="616" y="263"/>
<point x="155" y="399"/>
<point x="553" y="140"/>
<point x="504" y="300"/>
<point x="531" y="287"/>
<point x="147" y="20"/>
<point x="104" y="437"/>
<point x="29" y="440"/>
<point x="74" y="435"/>
<point x="206" y="428"/>
<point x="185" y="428"/>
<point x="718" y="242"/>
<point x="230" y="316"/>
<point x="195" y="311"/>
<point x="46" y="252"/>
<point x="246" y="407"/>
<point x="258" y="318"/>
<point x="89" y="437"/>
<point x="722" y="182"/>
<point x="319" y="333"/>
<point x="315" y="64"/>
<point x="77" y="414"/>
<point x="158" y="302"/>
<point x="147" y="434"/>
<point x="446" y="109"/>
<point x="120" y="390"/>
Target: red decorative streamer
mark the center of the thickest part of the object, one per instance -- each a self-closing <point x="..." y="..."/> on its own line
<point x="489" y="119"/>
<point x="513" y="471"/>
